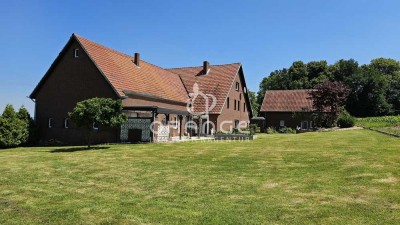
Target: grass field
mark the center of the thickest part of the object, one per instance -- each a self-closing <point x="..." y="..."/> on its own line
<point x="341" y="177"/>
<point x="390" y="124"/>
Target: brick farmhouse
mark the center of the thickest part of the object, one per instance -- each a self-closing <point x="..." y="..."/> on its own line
<point x="149" y="93"/>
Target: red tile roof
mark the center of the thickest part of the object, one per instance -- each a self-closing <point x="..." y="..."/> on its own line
<point x="286" y="101"/>
<point x="124" y="75"/>
<point x="217" y="82"/>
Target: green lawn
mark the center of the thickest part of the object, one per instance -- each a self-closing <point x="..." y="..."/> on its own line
<point x="341" y="177"/>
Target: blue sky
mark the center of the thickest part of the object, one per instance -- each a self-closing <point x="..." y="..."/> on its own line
<point x="262" y="35"/>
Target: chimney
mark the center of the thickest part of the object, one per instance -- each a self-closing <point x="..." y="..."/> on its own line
<point x="206" y="67"/>
<point x="136" y="59"/>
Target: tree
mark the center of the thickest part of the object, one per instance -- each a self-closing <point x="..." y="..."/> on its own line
<point x="13" y="130"/>
<point x="385" y="66"/>
<point x="105" y="112"/>
<point x="298" y="75"/>
<point x="368" y="96"/>
<point x="328" y="101"/>
<point x="343" y="69"/>
<point x="255" y="107"/>
<point x="24" y="115"/>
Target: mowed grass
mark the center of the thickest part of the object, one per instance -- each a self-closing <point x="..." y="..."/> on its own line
<point x="341" y="177"/>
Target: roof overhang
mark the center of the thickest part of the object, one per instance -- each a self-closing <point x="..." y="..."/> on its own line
<point x="156" y="109"/>
<point x="151" y="97"/>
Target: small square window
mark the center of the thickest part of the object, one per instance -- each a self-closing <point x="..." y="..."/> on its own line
<point x="95" y="126"/>
<point x="76" y="53"/>
<point x="50" y="123"/>
<point x="282" y="123"/>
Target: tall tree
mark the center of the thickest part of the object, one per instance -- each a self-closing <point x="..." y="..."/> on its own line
<point x="104" y="112"/>
<point x="24" y="115"/>
<point x="368" y="95"/>
<point x="298" y="75"/>
<point x="329" y="99"/>
<point x="255" y="107"/>
<point x="385" y="66"/>
<point x="343" y="69"/>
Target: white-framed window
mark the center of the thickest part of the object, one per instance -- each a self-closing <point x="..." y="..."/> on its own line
<point x="76" y="53"/>
<point x="50" y="123"/>
<point x="66" y="123"/>
<point x="95" y="126"/>
<point x="311" y="124"/>
<point x="282" y="123"/>
<point x="237" y="86"/>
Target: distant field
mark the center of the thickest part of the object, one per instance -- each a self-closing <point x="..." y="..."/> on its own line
<point x="389" y="124"/>
<point x="340" y="177"/>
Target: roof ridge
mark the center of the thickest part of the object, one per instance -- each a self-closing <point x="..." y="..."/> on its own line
<point x="309" y="89"/>
<point x="188" y="67"/>
<point x="103" y="46"/>
<point x="121" y="53"/>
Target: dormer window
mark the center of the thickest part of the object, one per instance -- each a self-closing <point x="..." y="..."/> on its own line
<point x="76" y="53"/>
<point x="237" y="86"/>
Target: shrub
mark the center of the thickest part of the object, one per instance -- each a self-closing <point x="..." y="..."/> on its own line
<point x="286" y="130"/>
<point x="271" y="130"/>
<point x="14" y="131"/>
<point x="253" y="128"/>
<point x="346" y="120"/>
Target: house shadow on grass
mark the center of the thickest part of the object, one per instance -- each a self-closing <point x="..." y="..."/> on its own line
<point x="77" y="149"/>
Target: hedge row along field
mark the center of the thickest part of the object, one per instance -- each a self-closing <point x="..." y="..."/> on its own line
<point x="390" y="124"/>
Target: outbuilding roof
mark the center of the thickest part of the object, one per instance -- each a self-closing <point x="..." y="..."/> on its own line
<point x="287" y="101"/>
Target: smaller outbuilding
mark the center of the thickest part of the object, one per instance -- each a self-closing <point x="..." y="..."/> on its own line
<point x="288" y="108"/>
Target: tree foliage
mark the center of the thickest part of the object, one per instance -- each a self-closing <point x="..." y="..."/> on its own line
<point x="104" y="112"/>
<point x="14" y="127"/>
<point x="374" y="87"/>
<point x="329" y="99"/>
<point x="254" y="104"/>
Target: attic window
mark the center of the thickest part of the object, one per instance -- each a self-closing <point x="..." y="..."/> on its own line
<point x="76" y="53"/>
<point x="237" y="86"/>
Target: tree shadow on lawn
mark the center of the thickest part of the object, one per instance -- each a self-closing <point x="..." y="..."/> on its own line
<point x="77" y="149"/>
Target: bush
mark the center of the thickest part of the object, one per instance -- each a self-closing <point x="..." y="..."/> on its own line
<point x="286" y="130"/>
<point x="346" y="120"/>
<point x="253" y="129"/>
<point x="270" y="130"/>
<point x="14" y="131"/>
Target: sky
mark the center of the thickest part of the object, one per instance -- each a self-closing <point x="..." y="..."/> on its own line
<point x="262" y="35"/>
